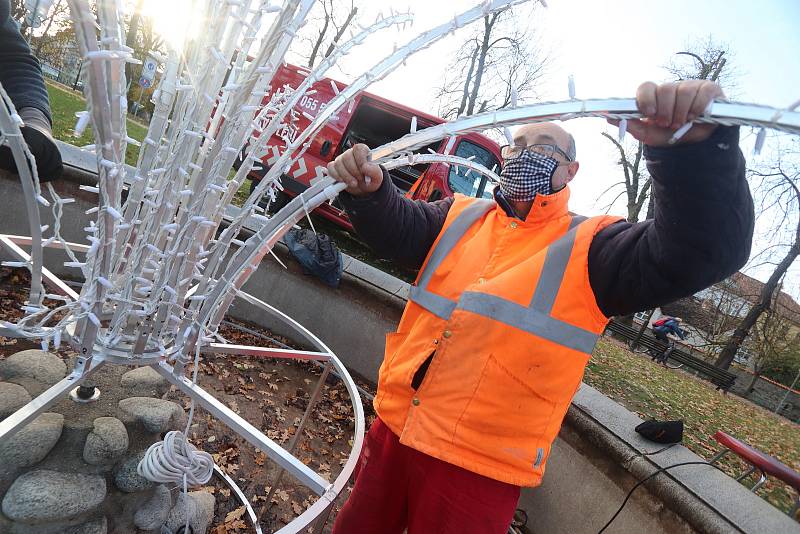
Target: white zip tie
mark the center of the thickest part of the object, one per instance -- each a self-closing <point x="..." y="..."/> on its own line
<point x="94" y="320"/>
<point x="623" y="128"/>
<point x="509" y="137"/>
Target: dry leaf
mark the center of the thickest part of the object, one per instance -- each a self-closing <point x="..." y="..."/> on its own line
<point x="234" y="515"/>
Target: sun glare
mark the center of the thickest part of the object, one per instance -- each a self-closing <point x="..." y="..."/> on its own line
<point x="174" y="20"/>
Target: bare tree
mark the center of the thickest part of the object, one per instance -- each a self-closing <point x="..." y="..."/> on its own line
<point x="780" y="183"/>
<point x="59" y="14"/>
<point x="331" y="21"/>
<point x="771" y="343"/>
<point x="18" y="11"/>
<point x="710" y="62"/>
<point x="500" y="59"/>
<point x="705" y="59"/>
<point x="637" y="180"/>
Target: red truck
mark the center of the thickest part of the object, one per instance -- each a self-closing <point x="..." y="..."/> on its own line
<point x="371" y="120"/>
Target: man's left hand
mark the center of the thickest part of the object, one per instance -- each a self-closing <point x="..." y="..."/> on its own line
<point x="669" y="106"/>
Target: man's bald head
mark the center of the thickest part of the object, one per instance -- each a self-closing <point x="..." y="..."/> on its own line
<point x="546" y="133"/>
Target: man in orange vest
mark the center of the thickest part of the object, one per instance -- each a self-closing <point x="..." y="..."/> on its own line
<point x="510" y="299"/>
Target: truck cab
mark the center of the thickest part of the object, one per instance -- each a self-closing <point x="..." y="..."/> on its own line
<point x="374" y="121"/>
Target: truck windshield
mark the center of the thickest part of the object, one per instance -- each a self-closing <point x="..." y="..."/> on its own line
<point x="468" y="182"/>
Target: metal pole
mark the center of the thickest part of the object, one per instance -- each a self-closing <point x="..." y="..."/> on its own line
<point x="789" y="390"/>
<point x="77" y="76"/>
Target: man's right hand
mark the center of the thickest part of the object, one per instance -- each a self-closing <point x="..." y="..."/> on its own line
<point x="354" y="169"/>
<point x="36" y="133"/>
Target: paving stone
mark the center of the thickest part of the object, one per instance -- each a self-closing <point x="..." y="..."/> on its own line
<point x="31" y="444"/>
<point x="200" y="509"/>
<point x="154" y="512"/>
<point x="35" y="370"/>
<point x="12" y="398"/>
<point x="144" y="381"/>
<point x="107" y="442"/>
<point x="95" y="526"/>
<point x="156" y="415"/>
<point x="42" y="496"/>
<point x="127" y="479"/>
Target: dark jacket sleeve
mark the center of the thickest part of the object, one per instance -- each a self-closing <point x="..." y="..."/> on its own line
<point x="700" y="234"/>
<point x="395" y="227"/>
<point x="20" y="72"/>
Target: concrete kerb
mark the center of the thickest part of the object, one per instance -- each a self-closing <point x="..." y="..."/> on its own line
<point x="704" y="496"/>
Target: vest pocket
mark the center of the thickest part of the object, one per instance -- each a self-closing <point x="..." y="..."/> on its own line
<point x="506" y="421"/>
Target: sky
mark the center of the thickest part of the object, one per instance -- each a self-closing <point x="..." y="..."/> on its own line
<point x="609" y="47"/>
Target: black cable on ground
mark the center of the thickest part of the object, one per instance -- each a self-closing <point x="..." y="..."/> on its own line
<point x="661" y="470"/>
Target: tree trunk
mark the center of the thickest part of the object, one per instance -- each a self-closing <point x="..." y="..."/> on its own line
<point x="488" y="24"/>
<point x="130" y="37"/>
<point x="465" y="93"/>
<point x="339" y="34"/>
<point x="321" y="36"/>
<point x="752" y="385"/>
<point x="733" y="344"/>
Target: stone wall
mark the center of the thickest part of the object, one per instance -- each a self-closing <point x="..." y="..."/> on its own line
<point x="766" y="395"/>
<point x="73" y="469"/>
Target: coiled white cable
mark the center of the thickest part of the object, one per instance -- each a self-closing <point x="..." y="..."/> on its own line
<point x="176" y="460"/>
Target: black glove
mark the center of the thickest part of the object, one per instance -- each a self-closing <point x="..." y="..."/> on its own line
<point x="41" y="144"/>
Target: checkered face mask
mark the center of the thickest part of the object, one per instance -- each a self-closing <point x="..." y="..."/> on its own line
<point x="525" y="176"/>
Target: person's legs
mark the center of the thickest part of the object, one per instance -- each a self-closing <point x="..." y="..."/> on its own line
<point x="446" y="499"/>
<point x="378" y="503"/>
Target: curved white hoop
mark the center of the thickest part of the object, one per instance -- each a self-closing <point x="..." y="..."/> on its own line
<point x="417" y="159"/>
<point x="724" y="113"/>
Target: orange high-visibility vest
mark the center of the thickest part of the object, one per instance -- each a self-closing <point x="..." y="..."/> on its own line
<point x="507" y="308"/>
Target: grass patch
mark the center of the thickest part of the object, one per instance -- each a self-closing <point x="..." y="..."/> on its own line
<point x="64" y="103"/>
<point x="653" y="391"/>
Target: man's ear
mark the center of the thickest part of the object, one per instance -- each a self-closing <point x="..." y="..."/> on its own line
<point x="572" y="169"/>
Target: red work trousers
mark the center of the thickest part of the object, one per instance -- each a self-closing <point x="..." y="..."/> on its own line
<point x="398" y="488"/>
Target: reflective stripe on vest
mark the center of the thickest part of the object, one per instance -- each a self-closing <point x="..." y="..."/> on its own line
<point x="535" y="318"/>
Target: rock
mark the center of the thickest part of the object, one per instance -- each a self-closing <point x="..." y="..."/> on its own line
<point x="144" y="381"/>
<point x="154" y="512"/>
<point x="12" y="398"/>
<point x="127" y="479"/>
<point x="41" y="496"/>
<point x="107" y="442"/>
<point x="156" y="415"/>
<point x="200" y="508"/>
<point x="95" y="526"/>
<point x="30" y="445"/>
<point x="35" y="370"/>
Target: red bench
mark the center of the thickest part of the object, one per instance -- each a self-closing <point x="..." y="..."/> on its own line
<point x="765" y="464"/>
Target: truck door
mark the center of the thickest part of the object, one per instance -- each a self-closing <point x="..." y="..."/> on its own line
<point x="470" y="183"/>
